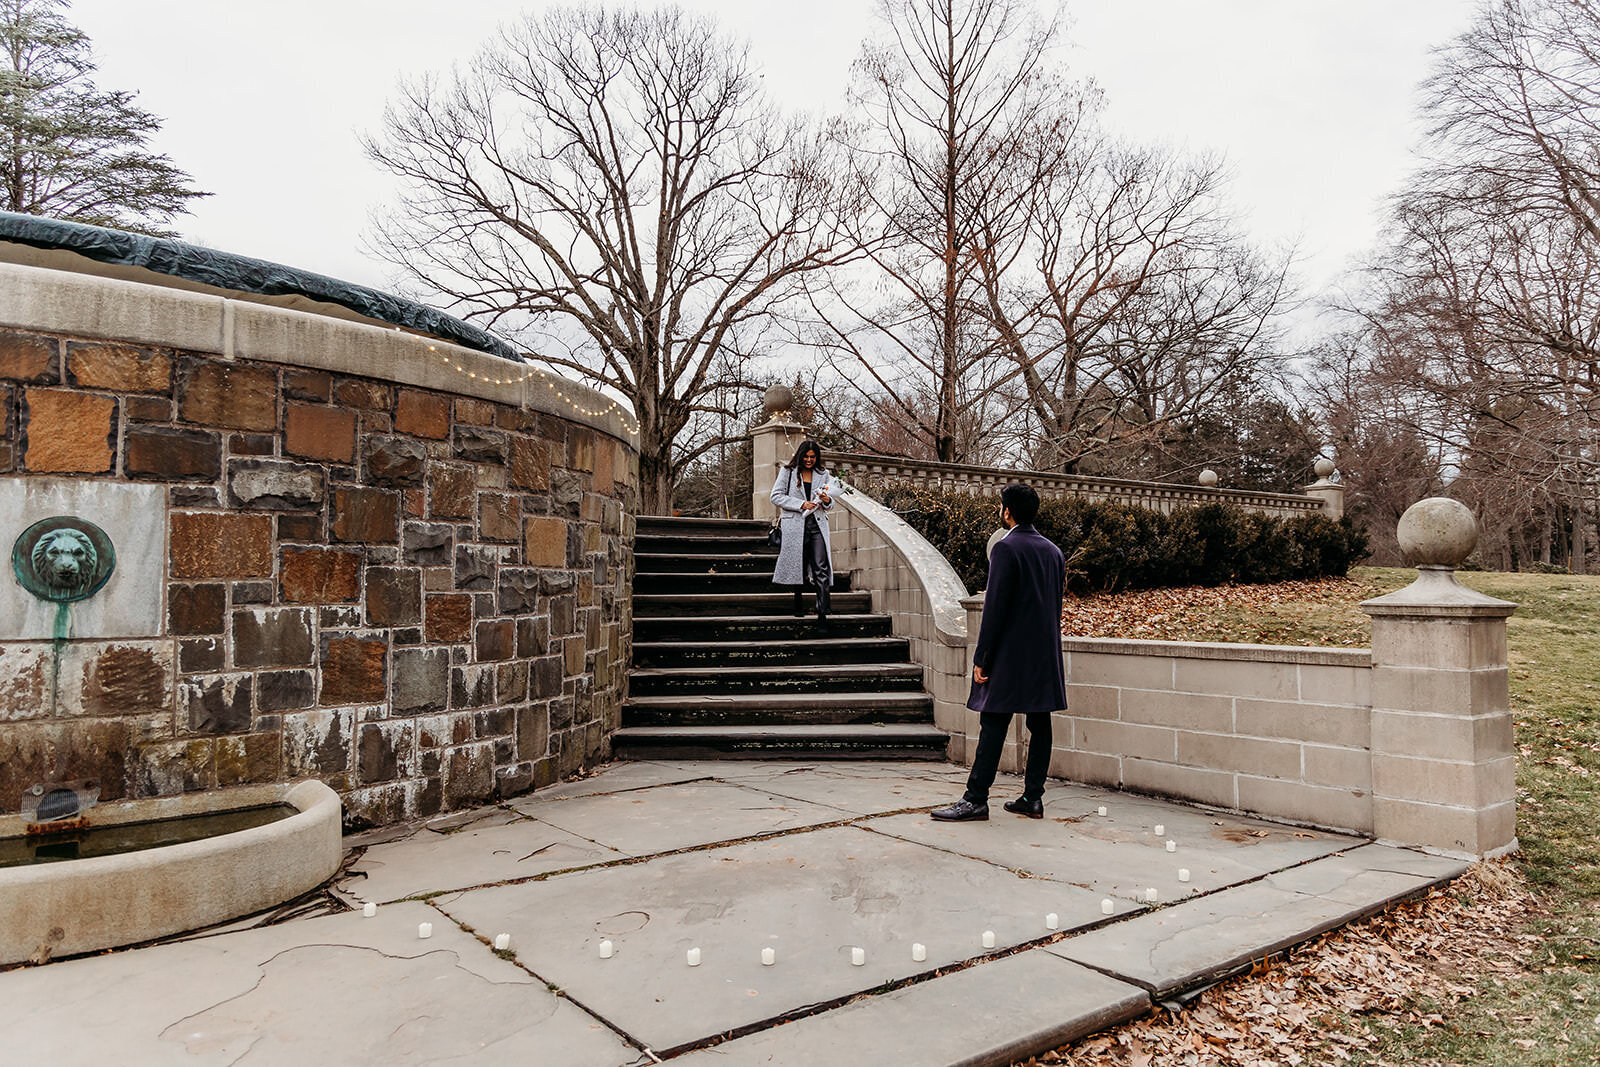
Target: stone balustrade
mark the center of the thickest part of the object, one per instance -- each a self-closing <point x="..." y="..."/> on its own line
<point x="874" y="472"/>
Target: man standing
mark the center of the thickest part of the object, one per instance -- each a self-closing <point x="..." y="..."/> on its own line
<point x="1016" y="668"/>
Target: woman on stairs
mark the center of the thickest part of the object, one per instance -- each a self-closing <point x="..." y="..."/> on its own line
<point x="803" y="492"/>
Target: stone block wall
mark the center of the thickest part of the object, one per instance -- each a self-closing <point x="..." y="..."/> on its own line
<point x="1281" y="731"/>
<point x="380" y="569"/>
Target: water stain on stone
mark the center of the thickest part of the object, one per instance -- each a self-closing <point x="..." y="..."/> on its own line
<point x="125" y="680"/>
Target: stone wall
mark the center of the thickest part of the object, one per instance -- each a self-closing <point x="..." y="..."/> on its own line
<point x="1283" y="731"/>
<point x="388" y="563"/>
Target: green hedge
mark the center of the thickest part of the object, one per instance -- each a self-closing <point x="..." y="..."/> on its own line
<point x="1117" y="546"/>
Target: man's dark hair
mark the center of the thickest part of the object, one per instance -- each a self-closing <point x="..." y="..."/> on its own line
<point x="1022" y="501"/>
<point x="800" y="454"/>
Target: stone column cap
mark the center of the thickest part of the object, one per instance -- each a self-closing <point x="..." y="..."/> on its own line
<point x="1437" y="594"/>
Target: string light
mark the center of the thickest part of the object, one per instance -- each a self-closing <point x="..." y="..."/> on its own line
<point x="546" y="380"/>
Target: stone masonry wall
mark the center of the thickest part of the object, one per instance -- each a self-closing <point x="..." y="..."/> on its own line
<point x="419" y="597"/>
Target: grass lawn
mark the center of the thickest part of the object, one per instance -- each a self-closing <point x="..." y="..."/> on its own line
<point x="1504" y="966"/>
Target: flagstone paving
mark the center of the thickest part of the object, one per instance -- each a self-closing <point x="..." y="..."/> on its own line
<point x="811" y="860"/>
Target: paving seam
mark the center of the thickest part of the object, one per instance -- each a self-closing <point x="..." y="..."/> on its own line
<point x="554" y="990"/>
<point x="1283" y="951"/>
<point x="428" y="896"/>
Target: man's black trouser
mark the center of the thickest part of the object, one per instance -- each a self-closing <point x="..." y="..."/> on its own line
<point x="992" y="738"/>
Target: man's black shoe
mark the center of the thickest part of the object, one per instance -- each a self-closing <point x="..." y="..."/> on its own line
<point x="962" y="810"/>
<point x="1033" y="809"/>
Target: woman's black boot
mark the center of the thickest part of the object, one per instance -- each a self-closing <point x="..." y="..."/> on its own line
<point x="799" y="604"/>
<point x="822" y="608"/>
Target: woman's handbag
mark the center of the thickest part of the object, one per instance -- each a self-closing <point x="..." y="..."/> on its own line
<point x="775" y="535"/>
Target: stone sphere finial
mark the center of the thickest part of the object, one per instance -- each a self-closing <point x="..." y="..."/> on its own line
<point x="777" y="398"/>
<point x="1208" y="478"/>
<point x="1323" y="467"/>
<point x="1437" y="532"/>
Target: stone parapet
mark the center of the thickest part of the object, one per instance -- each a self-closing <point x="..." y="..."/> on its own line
<point x="392" y="564"/>
<point x="872" y="472"/>
<point x="912" y="582"/>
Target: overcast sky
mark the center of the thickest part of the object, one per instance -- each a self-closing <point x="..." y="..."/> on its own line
<point x="1311" y="101"/>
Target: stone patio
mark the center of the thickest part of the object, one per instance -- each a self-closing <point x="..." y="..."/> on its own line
<point x="809" y="859"/>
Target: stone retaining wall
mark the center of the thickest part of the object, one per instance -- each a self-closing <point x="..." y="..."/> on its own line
<point x="1285" y="731"/>
<point x="392" y="564"/>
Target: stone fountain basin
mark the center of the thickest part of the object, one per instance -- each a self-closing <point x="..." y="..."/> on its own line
<point x="86" y="905"/>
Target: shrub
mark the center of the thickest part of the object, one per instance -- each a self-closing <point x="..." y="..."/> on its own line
<point x="1111" y="546"/>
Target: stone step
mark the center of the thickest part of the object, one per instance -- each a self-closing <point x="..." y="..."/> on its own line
<point x="782" y="626"/>
<point x="694" y="525"/>
<point x="737" y="605"/>
<point x="778" y="709"/>
<point x="704" y="562"/>
<point x="815" y="650"/>
<point x="880" y="741"/>
<point x="763" y="680"/>
<point x="705" y="545"/>
<point x="717" y="584"/>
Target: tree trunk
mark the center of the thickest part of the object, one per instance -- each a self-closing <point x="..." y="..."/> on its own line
<point x="655" y="480"/>
<point x="1580" y="531"/>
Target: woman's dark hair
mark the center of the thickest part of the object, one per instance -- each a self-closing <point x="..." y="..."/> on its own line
<point x="800" y="453"/>
<point x="1022" y="501"/>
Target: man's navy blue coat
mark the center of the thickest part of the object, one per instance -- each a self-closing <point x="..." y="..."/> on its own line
<point x="1019" y="643"/>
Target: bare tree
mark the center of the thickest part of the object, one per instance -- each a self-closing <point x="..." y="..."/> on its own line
<point x="941" y="104"/>
<point x="1486" y="303"/>
<point x="1123" y="296"/>
<point x="614" y="186"/>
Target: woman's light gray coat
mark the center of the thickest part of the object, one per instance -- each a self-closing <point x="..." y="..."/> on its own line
<point x="789" y="495"/>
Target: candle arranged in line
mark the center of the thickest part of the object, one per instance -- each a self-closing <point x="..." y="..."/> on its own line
<point x="988" y="939"/>
<point x="692" y="957"/>
<point x="1052" y="921"/>
<point x="502" y="942"/>
<point x="1107" y="906"/>
<point x="607" y="950"/>
<point x="369" y="910"/>
<point x="919" y="952"/>
<point x="768" y="957"/>
<point x="1150" y="895"/>
<point x="1183" y="874"/>
<point x="1172" y="846"/>
<point x="424" y="929"/>
<point x="1102" y="809"/>
<point x="1160" y="829"/>
<point x="858" y="957"/>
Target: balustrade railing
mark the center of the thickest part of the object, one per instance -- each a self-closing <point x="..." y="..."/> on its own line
<point x="868" y="472"/>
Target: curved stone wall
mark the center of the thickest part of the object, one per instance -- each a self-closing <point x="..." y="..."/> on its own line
<point x="344" y="552"/>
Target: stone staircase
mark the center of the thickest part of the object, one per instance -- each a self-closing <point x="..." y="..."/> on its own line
<point x="723" y="669"/>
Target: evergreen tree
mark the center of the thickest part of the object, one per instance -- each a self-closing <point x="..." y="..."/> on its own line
<point x="69" y="149"/>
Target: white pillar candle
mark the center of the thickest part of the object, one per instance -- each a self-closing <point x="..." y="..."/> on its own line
<point x="369" y="910"/>
<point x="1052" y="921"/>
<point x="1150" y="895"/>
<point x="919" y="952"/>
<point x="607" y="950"/>
<point x="1183" y="874"/>
<point x="1172" y="846"/>
<point x="1160" y="829"/>
<point x="693" y="957"/>
<point x="502" y="942"/>
<point x="1102" y="809"/>
<point x="424" y="929"/>
<point x="1107" y="906"/>
<point x="988" y="939"/>
<point x="858" y="957"/>
<point x="768" y="957"/>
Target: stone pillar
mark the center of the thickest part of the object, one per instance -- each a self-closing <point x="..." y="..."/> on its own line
<point x="1443" y="764"/>
<point x="774" y="442"/>
<point x="1330" y="492"/>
